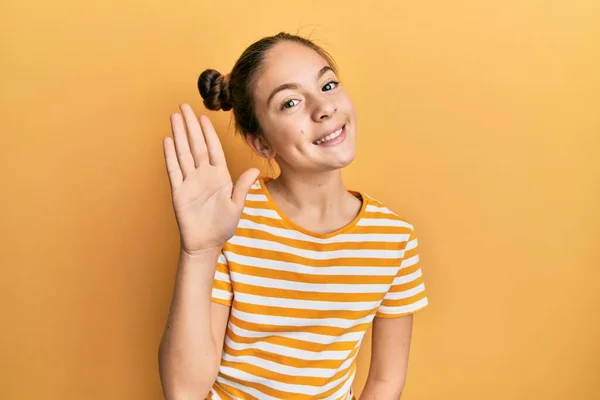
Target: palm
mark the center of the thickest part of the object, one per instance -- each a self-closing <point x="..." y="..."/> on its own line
<point x="206" y="204"/>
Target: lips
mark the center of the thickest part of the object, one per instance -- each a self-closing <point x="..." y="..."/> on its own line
<point x="330" y="135"/>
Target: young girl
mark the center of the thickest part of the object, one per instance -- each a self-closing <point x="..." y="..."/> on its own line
<point x="279" y="279"/>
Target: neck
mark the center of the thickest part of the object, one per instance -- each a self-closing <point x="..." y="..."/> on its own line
<point x="314" y="191"/>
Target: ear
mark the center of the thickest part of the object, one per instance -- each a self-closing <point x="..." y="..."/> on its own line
<point x="260" y="145"/>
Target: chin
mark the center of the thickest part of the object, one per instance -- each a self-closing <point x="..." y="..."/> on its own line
<point x="342" y="161"/>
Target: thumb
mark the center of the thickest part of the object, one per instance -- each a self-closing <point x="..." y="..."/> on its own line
<point x="242" y="186"/>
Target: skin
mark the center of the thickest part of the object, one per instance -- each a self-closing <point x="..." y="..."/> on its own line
<point x="310" y="188"/>
<point x="309" y="191"/>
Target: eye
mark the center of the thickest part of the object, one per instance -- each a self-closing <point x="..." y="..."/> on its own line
<point x="330" y="86"/>
<point x="289" y="104"/>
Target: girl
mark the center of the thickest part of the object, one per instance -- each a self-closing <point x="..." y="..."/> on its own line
<point x="279" y="279"/>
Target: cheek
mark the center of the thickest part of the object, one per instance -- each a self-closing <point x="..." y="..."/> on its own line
<point x="288" y="132"/>
<point x="349" y="106"/>
<point x="346" y="104"/>
<point x="289" y="135"/>
<point x="295" y="130"/>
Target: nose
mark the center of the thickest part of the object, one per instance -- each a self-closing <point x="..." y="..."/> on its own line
<point x="324" y="109"/>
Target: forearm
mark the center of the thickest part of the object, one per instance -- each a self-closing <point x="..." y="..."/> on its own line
<point x="382" y="390"/>
<point x="187" y="354"/>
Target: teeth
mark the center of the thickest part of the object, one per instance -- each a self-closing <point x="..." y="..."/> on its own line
<point x="331" y="136"/>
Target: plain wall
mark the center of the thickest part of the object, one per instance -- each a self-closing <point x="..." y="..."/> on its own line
<point x="478" y="121"/>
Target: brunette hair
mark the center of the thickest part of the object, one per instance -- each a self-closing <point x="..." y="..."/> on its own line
<point x="234" y="90"/>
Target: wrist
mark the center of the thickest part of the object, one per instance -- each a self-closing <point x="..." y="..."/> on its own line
<point x="208" y="252"/>
<point x="205" y="257"/>
<point x="199" y="265"/>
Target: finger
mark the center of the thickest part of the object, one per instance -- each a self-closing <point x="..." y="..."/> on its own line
<point x="197" y="143"/>
<point x="242" y="186"/>
<point x="173" y="169"/>
<point x="213" y="144"/>
<point x="182" y="147"/>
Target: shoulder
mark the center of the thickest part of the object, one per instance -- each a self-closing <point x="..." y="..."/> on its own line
<point x="376" y="209"/>
<point x="258" y="207"/>
<point x="256" y="193"/>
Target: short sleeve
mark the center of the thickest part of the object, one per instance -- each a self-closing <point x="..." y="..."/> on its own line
<point x="407" y="294"/>
<point x="222" y="291"/>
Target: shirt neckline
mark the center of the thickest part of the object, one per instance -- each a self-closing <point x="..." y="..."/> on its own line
<point x="291" y="224"/>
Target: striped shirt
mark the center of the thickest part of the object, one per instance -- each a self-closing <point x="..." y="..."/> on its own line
<point x="301" y="302"/>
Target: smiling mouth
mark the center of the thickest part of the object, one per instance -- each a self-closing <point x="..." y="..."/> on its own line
<point x="330" y="137"/>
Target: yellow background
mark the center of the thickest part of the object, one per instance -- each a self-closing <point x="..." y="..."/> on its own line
<point x="478" y="121"/>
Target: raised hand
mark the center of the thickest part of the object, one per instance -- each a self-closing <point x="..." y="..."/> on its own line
<point x="207" y="205"/>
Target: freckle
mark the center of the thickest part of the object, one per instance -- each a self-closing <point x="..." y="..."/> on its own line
<point x="301" y="132"/>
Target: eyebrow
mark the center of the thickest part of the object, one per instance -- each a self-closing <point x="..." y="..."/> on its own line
<point x="285" y="86"/>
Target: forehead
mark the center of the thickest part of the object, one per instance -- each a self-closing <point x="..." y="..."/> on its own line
<point x="288" y="62"/>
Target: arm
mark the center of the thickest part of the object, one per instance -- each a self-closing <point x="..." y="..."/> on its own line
<point x="389" y="358"/>
<point x="392" y="328"/>
<point x="208" y="208"/>
<point x="190" y="350"/>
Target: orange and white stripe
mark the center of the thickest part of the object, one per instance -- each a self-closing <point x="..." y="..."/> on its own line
<point x="301" y="302"/>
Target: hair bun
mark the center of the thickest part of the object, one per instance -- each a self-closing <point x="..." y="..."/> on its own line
<point x="214" y="89"/>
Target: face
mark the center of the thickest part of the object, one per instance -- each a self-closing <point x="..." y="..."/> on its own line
<point x="308" y="121"/>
